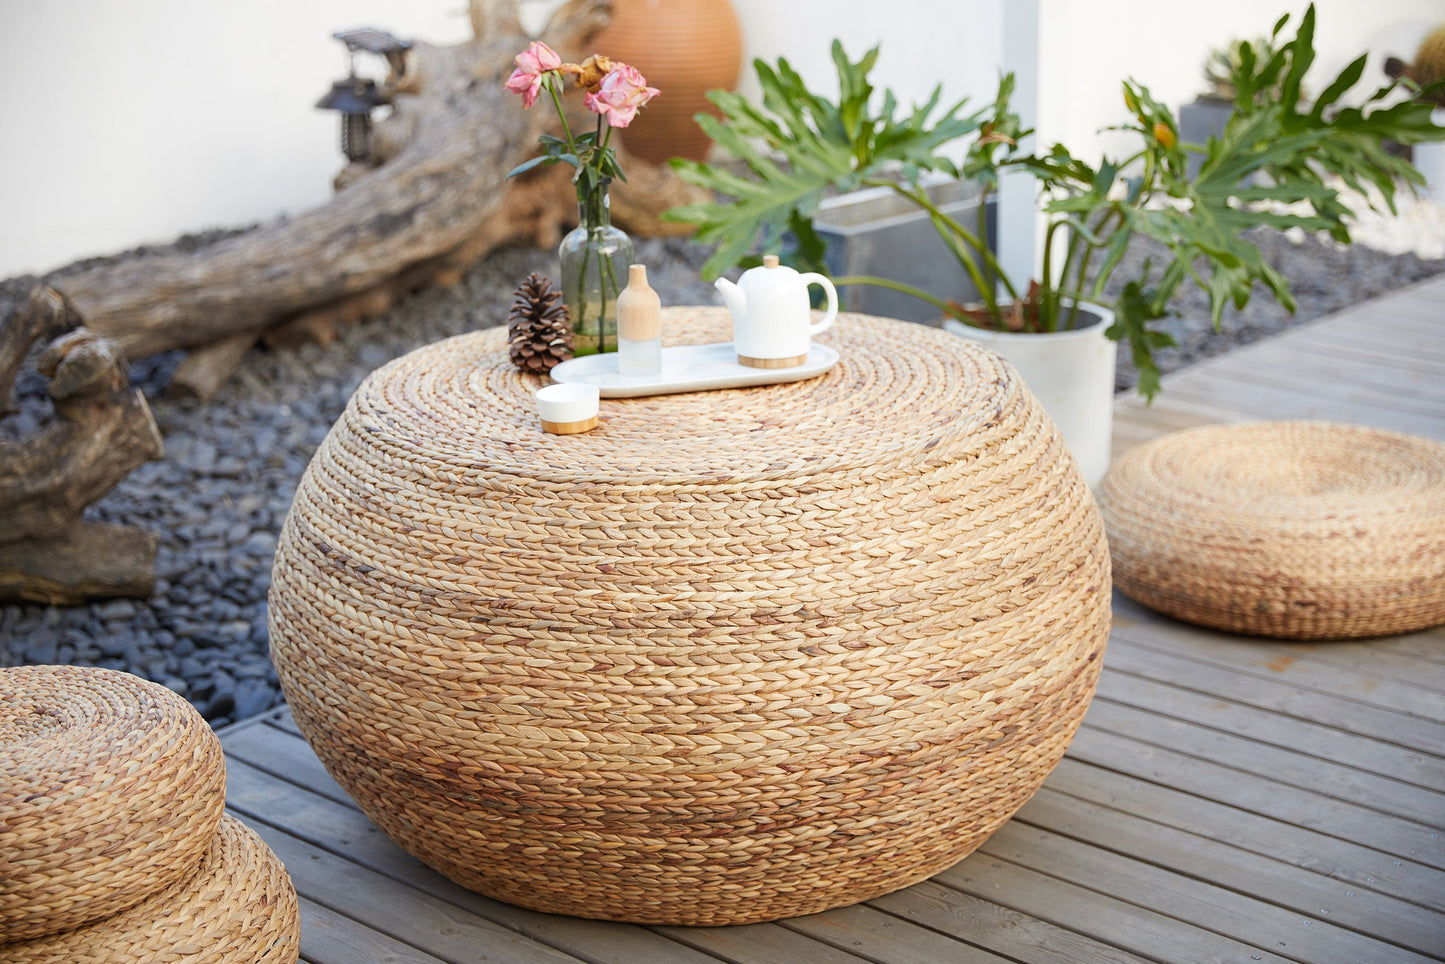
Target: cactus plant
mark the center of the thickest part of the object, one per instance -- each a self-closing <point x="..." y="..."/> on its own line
<point x="1224" y="63"/>
<point x="1429" y="65"/>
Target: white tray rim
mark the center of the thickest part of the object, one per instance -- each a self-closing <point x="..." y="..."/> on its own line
<point x="689" y="368"/>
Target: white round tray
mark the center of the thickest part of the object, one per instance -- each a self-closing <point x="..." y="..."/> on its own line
<point x="688" y="368"/>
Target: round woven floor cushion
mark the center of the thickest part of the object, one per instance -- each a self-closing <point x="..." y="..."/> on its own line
<point x="1296" y="530"/>
<point x="236" y="907"/>
<point x="110" y="790"/>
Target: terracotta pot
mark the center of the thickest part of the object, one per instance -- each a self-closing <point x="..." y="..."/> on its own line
<point x="684" y="48"/>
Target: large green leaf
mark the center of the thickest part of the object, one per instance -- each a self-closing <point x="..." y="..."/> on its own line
<point x="799" y="144"/>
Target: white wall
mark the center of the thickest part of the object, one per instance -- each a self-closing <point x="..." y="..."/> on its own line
<point x="923" y="43"/>
<point x="133" y="122"/>
<point x="1088" y="47"/>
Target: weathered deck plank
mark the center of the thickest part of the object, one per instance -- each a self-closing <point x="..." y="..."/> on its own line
<point x="1245" y="872"/>
<point x="1227" y="799"/>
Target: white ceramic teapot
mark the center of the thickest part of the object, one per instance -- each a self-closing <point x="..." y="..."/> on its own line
<point x="772" y="323"/>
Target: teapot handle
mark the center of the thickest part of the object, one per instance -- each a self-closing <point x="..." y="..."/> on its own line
<point x="813" y="278"/>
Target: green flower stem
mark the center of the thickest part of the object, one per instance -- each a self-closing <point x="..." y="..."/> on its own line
<point x="1078" y="244"/>
<point x="604" y="139"/>
<point x="1056" y="286"/>
<point x="1096" y="291"/>
<point x="981" y="230"/>
<point x="1048" y="310"/>
<point x="608" y="273"/>
<point x="1081" y="288"/>
<point x="561" y="114"/>
<point x="905" y="288"/>
<point x="581" y="323"/>
<point x="592" y="212"/>
<point x="956" y="236"/>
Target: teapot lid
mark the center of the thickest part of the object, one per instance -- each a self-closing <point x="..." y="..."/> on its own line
<point x="770" y="261"/>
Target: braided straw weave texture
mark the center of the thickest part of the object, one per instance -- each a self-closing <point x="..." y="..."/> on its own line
<point x="236" y="907"/>
<point x="111" y="787"/>
<point x="732" y="656"/>
<point x="1296" y="530"/>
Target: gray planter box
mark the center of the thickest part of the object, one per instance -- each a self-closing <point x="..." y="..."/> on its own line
<point x="1200" y="121"/>
<point x="875" y="232"/>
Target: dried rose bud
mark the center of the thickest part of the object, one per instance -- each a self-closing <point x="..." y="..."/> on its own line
<point x="590" y="72"/>
<point x="987" y="135"/>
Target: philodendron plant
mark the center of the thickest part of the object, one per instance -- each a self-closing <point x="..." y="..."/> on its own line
<point x="1275" y="164"/>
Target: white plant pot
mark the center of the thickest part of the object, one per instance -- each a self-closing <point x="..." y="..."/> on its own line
<point x="1072" y="375"/>
<point x="1429" y="160"/>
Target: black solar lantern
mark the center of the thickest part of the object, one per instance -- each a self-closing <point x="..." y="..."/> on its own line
<point x="356" y="97"/>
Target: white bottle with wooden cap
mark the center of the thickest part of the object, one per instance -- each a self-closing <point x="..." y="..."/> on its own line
<point x="639" y="326"/>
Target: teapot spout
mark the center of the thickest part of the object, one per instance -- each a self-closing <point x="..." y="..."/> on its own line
<point x="733" y="297"/>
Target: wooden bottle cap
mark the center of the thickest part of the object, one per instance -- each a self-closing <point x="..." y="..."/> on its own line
<point x="639" y="309"/>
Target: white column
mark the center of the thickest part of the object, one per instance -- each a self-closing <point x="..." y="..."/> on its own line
<point x="1019" y="227"/>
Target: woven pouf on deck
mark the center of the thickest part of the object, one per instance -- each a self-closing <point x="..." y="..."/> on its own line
<point x="732" y="656"/>
<point x="1296" y="530"/>
<point x="111" y="788"/>
<point x="236" y="907"/>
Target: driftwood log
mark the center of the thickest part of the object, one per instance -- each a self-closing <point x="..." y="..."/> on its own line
<point x="44" y="315"/>
<point x="101" y="431"/>
<point x="438" y="201"/>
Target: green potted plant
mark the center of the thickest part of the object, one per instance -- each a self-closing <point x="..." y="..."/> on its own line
<point x="1269" y="165"/>
<point x="1206" y="115"/>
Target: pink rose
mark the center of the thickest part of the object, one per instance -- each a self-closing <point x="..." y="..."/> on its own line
<point x="621" y="93"/>
<point x="532" y="63"/>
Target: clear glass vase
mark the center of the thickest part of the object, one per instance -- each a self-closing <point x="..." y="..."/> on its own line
<point x="595" y="257"/>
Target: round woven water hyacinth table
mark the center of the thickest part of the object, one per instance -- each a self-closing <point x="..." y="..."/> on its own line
<point x="732" y="656"/>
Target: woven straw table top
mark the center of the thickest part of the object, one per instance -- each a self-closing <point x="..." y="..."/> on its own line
<point x="1290" y="529"/>
<point x="732" y="656"/>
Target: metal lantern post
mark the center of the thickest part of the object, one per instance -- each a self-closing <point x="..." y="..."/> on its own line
<point x="355" y="97"/>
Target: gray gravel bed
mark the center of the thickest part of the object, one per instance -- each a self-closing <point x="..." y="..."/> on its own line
<point x="218" y="499"/>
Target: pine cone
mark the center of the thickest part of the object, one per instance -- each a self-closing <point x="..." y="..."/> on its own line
<point x="539" y="333"/>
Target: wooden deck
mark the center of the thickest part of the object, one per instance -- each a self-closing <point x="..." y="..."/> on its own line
<point x="1226" y="800"/>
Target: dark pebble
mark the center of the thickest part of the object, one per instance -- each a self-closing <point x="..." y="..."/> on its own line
<point x="260" y="544"/>
<point x="116" y="609"/>
<point x="221" y="703"/>
<point x="40" y="648"/>
<point x="253" y="696"/>
<point x="115" y="644"/>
